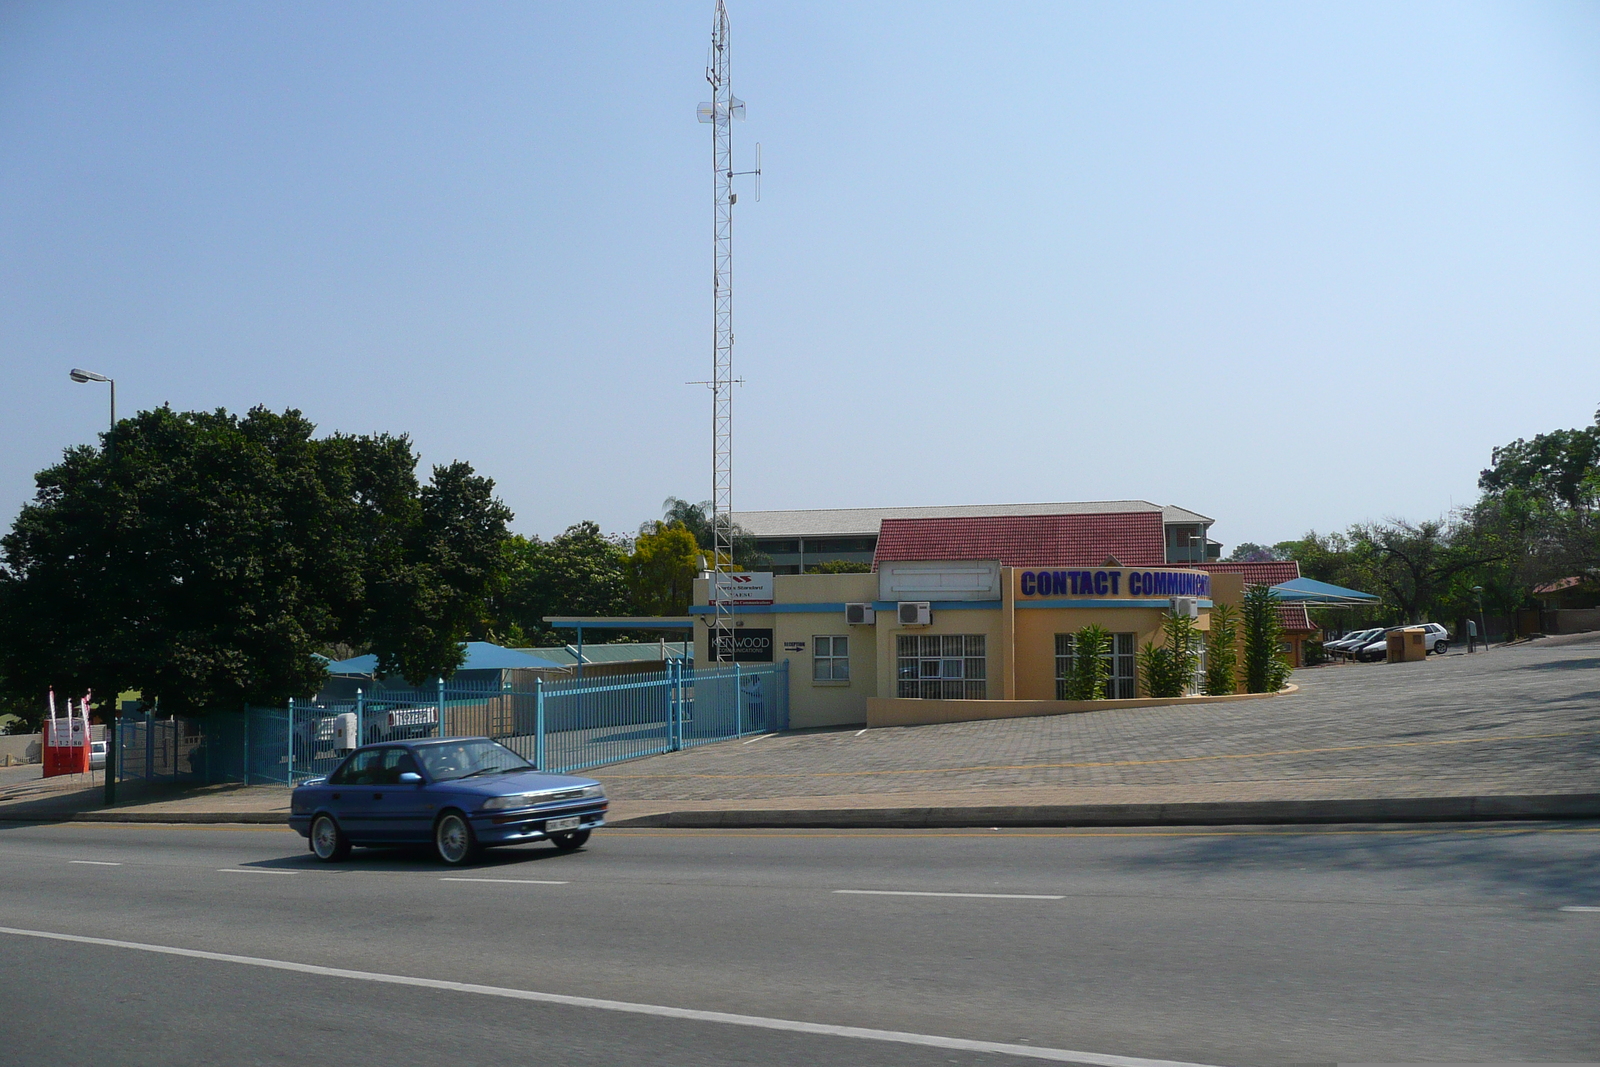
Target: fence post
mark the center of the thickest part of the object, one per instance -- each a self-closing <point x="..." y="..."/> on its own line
<point x="247" y="744"/>
<point x="675" y="709"/>
<point x="538" y="722"/>
<point x="291" y="740"/>
<point x="441" y="707"/>
<point x="361" y="726"/>
<point x="738" y="702"/>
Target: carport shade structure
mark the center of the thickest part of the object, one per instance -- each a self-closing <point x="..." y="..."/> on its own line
<point x="1310" y="593"/>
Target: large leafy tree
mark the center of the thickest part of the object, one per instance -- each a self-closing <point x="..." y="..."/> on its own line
<point x="203" y="559"/>
<point x="578" y="572"/>
<point x="662" y="569"/>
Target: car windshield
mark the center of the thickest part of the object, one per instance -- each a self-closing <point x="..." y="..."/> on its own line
<point x="465" y="759"/>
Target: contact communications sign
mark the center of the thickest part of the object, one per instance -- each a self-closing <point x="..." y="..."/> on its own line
<point x="749" y="587"/>
<point x="1114" y="582"/>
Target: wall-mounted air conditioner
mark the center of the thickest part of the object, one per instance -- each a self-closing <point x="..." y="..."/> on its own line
<point x="1186" y="606"/>
<point x="915" y="613"/>
<point x="860" y="614"/>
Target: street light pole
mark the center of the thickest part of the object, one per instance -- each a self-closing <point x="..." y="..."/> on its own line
<point x="82" y="376"/>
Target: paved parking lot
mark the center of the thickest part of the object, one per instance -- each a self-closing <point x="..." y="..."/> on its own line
<point x="1523" y="719"/>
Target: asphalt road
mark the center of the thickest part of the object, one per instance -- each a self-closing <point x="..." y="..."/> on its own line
<point x="1237" y="946"/>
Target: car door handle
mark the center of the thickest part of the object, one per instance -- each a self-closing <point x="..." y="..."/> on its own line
<point x="335" y="796"/>
<point x="377" y="796"/>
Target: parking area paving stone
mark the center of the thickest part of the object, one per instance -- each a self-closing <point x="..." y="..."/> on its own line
<point x="1517" y="720"/>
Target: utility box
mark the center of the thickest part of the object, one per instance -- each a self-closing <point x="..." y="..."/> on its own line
<point x="1407" y="646"/>
<point x="346" y="732"/>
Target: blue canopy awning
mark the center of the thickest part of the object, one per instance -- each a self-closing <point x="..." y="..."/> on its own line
<point x="1314" y="594"/>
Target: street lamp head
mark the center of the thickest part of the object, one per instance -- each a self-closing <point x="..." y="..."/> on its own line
<point x="81" y="376"/>
<point x="1477" y="589"/>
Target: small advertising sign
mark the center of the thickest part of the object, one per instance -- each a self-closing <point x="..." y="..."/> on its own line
<point x="750" y="587"/>
<point x="750" y="645"/>
<point x="794" y="646"/>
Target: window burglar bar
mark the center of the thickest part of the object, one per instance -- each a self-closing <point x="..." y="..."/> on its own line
<point x="941" y="666"/>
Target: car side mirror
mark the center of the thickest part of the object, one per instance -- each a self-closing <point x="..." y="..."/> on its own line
<point x="410" y="778"/>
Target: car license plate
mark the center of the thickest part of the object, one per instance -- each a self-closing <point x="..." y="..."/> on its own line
<point x="562" y="824"/>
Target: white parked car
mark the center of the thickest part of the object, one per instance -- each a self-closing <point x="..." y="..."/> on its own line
<point x="97" y="755"/>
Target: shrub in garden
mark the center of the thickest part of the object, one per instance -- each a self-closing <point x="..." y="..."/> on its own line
<point x="1222" y="651"/>
<point x="1091" y="670"/>
<point x="1265" y="668"/>
<point x="1168" y="670"/>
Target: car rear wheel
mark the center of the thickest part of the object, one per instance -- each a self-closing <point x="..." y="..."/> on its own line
<point x="569" y="840"/>
<point x="327" y="841"/>
<point x="454" y="840"/>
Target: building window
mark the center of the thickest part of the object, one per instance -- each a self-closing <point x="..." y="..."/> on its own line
<point x="830" y="659"/>
<point x="941" y="666"/>
<point x="1120" y="686"/>
<point x="823" y="545"/>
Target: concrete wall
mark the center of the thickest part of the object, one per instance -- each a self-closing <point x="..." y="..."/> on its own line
<point x="22" y="748"/>
<point x="1572" y="620"/>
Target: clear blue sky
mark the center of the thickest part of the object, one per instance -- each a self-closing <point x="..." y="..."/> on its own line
<point x="1290" y="265"/>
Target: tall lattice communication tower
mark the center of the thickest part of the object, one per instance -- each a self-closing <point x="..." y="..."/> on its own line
<point x="721" y="112"/>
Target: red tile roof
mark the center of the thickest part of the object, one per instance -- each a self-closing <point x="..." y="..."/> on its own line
<point x="1275" y="572"/>
<point x="1137" y="540"/>
<point x="1294" y="618"/>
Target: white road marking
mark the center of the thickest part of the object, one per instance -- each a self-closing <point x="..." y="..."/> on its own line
<point x="507" y="881"/>
<point x="981" y="896"/>
<point x="252" y="870"/>
<point x="96" y="863"/>
<point x="1576" y="907"/>
<point x="860" y="1033"/>
<point x="753" y="740"/>
<point x="860" y="732"/>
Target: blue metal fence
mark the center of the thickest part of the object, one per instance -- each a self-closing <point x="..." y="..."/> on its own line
<point x="561" y="726"/>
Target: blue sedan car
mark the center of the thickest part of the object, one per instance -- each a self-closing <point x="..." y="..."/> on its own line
<point x="461" y="794"/>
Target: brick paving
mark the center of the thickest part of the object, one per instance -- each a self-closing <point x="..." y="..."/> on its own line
<point x="1523" y="719"/>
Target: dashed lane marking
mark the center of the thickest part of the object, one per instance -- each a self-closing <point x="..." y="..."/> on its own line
<point x="506" y="881"/>
<point x="96" y="863"/>
<point x="252" y="870"/>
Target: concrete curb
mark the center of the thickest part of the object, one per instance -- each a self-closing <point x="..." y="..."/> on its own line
<point x="1213" y="813"/>
<point x="1209" y="813"/>
<point x="176" y="817"/>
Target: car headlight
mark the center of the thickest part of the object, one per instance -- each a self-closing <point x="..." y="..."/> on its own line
<point x="520" y="800"/>
<point x="593" y="791"/>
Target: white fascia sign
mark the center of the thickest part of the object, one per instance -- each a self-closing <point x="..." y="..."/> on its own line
<point x="748" y="587"/>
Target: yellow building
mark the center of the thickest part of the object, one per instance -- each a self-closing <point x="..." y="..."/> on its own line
<point x="944" y="640"/>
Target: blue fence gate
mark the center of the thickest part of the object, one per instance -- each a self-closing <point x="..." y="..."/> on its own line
<point x="561" y="726"/>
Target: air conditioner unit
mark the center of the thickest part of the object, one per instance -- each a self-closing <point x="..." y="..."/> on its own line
<point x="860" y="614"/>
<point x="1186" y="607"/>
<point x="915" y="613"/>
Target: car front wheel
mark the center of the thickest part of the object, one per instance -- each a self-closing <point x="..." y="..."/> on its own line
<point x="1441" y="647"/>
<point x="454" y="840"/>
<point x="327" y="841"/>
<point x="569" y="840"/>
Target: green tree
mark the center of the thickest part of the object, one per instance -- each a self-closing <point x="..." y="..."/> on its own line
<point x="839" y="566"/>
<point x="1222" y="651"/>
<point x="696" y="518"/>
<point x="1250" y="552"/>
<point x="662" y="569"/>
<point x="1266" y="669"/>
<point x="207" y="560"/>
<point x="578" y="572"/>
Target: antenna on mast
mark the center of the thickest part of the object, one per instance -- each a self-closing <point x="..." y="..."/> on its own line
<point x="720" y="112"/>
